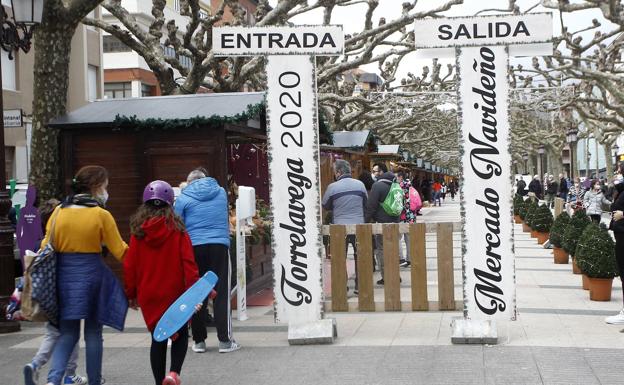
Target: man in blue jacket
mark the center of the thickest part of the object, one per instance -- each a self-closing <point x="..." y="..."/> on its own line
<point x="203" y="207"/>
<point x="346" y="199"/>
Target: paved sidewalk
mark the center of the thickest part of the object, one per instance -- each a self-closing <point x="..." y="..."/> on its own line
<point x="559" y="338"/>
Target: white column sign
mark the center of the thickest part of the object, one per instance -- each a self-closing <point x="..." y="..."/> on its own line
<point x="293" y="145"/>
<point x="489" y="289"/>
<point x="293" y="155"/>
<point x="482" y="50"/>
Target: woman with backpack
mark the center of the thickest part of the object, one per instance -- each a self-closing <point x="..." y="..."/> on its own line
<point x="408" y="215"/>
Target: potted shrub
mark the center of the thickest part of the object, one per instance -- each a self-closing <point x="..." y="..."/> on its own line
<point x="517" y="203"/>
<point x="522" y="211"/>
<point x="542" y="222"/>
<point x="595" y="255"/>
<point x="556" y="237"/>
<point x="572" y="233"/>
<point x="528" y="218"/>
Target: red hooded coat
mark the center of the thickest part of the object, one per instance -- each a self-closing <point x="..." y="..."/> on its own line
<point x="158" y="268"/>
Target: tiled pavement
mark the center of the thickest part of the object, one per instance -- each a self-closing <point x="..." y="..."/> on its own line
<point x="559" y="338"/>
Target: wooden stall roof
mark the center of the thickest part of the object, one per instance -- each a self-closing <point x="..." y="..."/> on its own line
<point x="102" y="113"/>
<point x="387" y="149"/>
<point x="350" y="139"/>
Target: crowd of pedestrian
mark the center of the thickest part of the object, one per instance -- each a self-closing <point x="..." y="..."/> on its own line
<point x="593" y="195"/>
<point x="172" y="243"/>
<point x="355" y="201"/>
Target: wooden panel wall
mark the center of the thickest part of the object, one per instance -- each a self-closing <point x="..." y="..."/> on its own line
<point x="117" y="153"/>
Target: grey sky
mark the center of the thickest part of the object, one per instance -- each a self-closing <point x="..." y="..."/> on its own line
<point x="352" y="19"/>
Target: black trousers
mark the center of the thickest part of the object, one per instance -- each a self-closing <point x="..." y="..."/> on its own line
<point x="214" y="257"/>
<point x="619" y="255"/>
<point x="351" y="240"/>
<point x="158" y="355"/>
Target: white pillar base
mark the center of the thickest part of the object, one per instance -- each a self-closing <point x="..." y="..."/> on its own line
<point x="323" y="331"/>
<point x="468" y="331"/>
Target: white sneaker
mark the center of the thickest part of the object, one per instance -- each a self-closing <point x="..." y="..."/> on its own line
<point x="199" y="347"/>
<point x="617" y="319"/>
<point x="227" y="347"/>
<point x="75" y="380"/>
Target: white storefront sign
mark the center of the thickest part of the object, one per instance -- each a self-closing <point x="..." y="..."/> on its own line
<point x="293" y="143"/>
<point x="13" y="118"/>
<point x="482" y="52"/>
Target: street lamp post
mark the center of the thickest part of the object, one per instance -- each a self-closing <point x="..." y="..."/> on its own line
<point x="571" y="137"/>
<point x="615" y="152"/>
<point x="16" y="34"/>
<point x="540" y="152"/>
<point x="525" y="157"/>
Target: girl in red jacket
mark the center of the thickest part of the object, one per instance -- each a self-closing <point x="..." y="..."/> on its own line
<point x="158" y="268"/>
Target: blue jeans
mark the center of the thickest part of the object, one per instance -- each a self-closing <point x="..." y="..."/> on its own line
<point x="47" y="347"/>
<point x="70" y="334"/>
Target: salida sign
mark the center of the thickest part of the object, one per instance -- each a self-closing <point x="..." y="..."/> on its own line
<point x="294" y="152"/>
<point x="483" y="30"/>
<point x="482" y="53"/>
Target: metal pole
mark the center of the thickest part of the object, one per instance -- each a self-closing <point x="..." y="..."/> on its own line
<point x="7" y="260"/>
<point x="597" y="163"/>
<point x="587" y="170"/>
<point x="572" y="148"/>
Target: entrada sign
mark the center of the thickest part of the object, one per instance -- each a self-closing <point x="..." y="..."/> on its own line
<point x="243" y="41"/>
<point x="482" y="54"/>
<point x="293" y="143"/>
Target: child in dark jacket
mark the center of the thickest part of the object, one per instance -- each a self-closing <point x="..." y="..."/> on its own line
<point x="158" y="268"/>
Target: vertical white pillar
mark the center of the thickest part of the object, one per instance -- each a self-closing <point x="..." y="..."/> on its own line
<point x="488" y="257"/>
<point x="295" y="199"/>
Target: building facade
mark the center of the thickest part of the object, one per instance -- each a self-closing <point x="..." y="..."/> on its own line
<point x="126" y="74"/>
<point x="85" y="84"/>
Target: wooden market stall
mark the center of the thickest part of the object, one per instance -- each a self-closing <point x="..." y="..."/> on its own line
<point x="352" y="146"/>
<point x="142" y="139"/>
<point x="388" y="154"/>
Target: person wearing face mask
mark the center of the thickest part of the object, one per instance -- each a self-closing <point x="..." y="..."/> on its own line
<point x="87" y="290"/>
<point x="377" y="171"/>
<point x="617" y="226"/>
<point x="575" y="193"/>
<point x="593" y="201"/>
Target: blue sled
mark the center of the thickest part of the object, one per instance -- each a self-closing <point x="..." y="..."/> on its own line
<point x="181" y="311"/>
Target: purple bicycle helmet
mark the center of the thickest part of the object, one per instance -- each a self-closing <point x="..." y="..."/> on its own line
<point x="158" y="190"/>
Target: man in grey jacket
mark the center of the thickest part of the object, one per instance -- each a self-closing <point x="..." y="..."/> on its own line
<point x="376" y="213"/>
<point x="346" y="199"/>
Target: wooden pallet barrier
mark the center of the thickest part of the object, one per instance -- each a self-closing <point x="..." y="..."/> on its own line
<point x="390" y="234"/>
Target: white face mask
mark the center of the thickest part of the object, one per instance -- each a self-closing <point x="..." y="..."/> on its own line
<point x="103" y="197"/>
